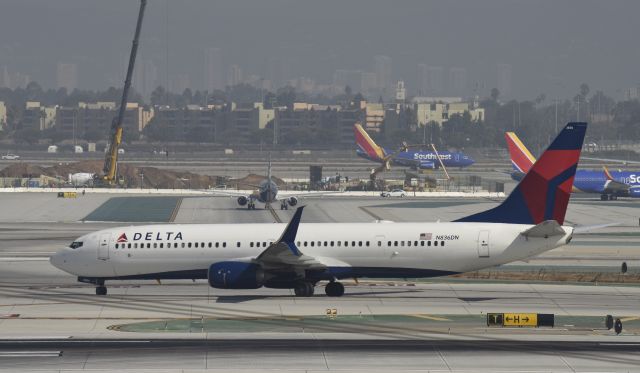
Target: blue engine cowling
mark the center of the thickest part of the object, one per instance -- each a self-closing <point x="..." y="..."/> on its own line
<point x="634" y="192"/>
<point x="242" y="200"/>
<point x="235" y="275"/>
<point x="429" y="165"/>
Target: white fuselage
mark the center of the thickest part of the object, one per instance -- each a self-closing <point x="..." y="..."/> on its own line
<point x="358" y="249"/>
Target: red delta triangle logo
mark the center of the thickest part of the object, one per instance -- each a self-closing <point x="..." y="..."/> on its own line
<point x="122" y="238"/>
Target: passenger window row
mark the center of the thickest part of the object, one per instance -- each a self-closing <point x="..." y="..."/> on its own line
<point x="414" y="243"/>
<point x="264" y="244"/>
<point x="175" y="245"/>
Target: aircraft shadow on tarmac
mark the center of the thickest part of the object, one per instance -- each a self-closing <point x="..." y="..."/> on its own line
<point x="247" y="298"/>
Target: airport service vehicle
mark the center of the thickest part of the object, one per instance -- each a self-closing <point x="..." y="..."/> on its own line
<point x="298" y="256"/>
<point x="10" y="157"/>
<point x="394" y="193"/>
<point x="609" y="184"/>
<point x="368" y="149"/>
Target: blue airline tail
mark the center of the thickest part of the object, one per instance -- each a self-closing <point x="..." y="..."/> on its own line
<point x="543" y="194"/>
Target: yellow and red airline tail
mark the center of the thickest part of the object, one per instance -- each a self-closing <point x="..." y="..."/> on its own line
<point x="521" y="159"/>
<point x="607" y="174"/>
<point x="367" y="145"/>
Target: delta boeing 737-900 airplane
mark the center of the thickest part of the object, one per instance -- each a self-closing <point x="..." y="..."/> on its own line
<point x="298" y="256"/>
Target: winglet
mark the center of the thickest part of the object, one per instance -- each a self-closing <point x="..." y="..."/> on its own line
<point x="290" y="232"/>
<point x="607" y="174"/>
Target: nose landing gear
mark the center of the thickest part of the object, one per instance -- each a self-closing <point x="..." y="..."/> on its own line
<point x="100" y="288"/>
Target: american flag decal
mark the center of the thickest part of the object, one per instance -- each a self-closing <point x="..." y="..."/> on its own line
<point x="425" y="236"/>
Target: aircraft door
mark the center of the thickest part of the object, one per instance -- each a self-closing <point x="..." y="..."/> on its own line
<point x="382" y="249"/>
<point x="483" y="244"/>
<point x="103" y="246"/>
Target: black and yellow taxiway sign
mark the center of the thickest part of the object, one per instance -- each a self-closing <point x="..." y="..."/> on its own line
<point x="520" y="319"/>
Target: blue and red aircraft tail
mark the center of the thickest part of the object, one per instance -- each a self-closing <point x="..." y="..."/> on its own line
<point x="543" y="194"/>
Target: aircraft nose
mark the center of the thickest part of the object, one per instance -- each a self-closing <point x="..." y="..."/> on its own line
<point x="58" y="260"/>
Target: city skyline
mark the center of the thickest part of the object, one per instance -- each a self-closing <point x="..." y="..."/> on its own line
<point x="203" y="45"/>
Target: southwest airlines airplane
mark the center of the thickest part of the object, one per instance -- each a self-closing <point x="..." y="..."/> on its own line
<point x="298" y="256"/>
<point x="368" y="149"/>
<point x="610" y="185"/>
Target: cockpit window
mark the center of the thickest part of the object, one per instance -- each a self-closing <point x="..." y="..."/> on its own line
<point x="76" y="244"/>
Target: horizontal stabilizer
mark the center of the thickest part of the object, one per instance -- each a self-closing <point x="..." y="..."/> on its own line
<point x="588" y="228"/>
<point x="547" y="228"/>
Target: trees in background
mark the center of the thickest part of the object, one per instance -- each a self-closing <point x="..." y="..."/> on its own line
<point x="537" y="120"/>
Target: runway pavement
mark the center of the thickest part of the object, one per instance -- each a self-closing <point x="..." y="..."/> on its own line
<point x="49" y="322"/>
<point x="259" y="355"/>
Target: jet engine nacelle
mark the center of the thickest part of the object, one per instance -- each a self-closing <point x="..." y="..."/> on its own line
<point x="428" y="165"/>
<point x="634" y="192"/>
<point x="242" y="200"/>
<point x="292" y="201"/>
<point x="235" y="275"/>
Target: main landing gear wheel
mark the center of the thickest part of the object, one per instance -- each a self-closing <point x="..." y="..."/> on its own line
<point x="251" y="206"/>
<point x="304" y="289"/>
<point x="334" y="289"/>
<point x="101" y="290"/>
<point x="284" y="206"/>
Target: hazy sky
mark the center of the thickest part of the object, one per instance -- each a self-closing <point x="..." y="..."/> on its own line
<point x="552" y="46"/>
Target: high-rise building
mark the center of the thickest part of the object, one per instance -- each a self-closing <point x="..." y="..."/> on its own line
<point x="422" y="81"/>
<point x="275" y="72"/>
<point x="234" y="77"/>
<point x="3" y="116"/>
<point x="401" y="92"/>
<point x="67" y="76"/>
<point x="145" y="77"/>
<point x="4" y="77"/>
<point x="382" y="69"/>
<point x="19" y="80"/>
<point x="504" y="80"/>
<point x="213" y="70"/>
<point x="368" y="84"/>
<point x="435" y="81"/>
<point x="457" y="81"/>
<point x="180" y="82"/>
<point x="351" y="78"/>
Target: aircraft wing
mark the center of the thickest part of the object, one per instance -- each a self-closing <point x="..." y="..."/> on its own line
<point x="610" y="160"/>
<point x="229" y="193"/>
<point x="612" y="185"/>
<point x="306" y="194"/>
<point x="284" y="254"/>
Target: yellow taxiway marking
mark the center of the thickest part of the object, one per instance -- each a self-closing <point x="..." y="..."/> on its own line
<point x="630" y="318"/>
<point x="431" y="317"/>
